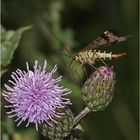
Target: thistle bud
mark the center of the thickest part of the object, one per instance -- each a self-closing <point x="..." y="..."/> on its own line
<point x="61" y="129"/>
<point x="97" y="91"/>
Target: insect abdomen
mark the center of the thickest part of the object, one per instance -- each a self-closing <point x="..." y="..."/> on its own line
<point x="103" y="55"/>
<point x="89" y="56"/>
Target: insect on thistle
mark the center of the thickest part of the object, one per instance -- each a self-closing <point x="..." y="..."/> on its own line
<point x="89" y="55"/>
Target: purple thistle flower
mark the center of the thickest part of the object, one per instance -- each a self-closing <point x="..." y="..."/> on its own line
<point x="106" y="72"/>
<point x="35" y="96"/>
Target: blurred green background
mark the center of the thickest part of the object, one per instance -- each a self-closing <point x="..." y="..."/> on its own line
<point x="72" y="24"/>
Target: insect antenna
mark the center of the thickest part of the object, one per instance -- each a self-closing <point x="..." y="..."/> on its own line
<point x="64" y="54"/>
<point x="68" y="54"/>
<point x="47" y="28"/>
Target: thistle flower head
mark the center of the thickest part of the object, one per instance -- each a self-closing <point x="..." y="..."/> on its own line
<point x="97" y="91"/>
<point x="106" y="72"/>
<point x="60" y="130"/>
<point x="35" y="96"/>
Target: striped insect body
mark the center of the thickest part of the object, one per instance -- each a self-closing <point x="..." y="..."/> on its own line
<point x="89" y="55"/>
<point x="102" y="55"/>
<point x="85" y="57"/>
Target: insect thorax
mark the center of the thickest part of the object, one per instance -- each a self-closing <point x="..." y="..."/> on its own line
<point x="86" y="57"/>
<point x="90" y="56"/>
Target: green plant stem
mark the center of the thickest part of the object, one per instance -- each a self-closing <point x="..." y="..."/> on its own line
<point x="81" y="115"/>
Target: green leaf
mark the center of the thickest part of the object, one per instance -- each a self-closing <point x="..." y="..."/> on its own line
<point x="79" y="127"/>
<point x="29" y="132"/>
<point x="9" y="42"/>
<point x="9" y="125"/>
<point x="5" y="136"/>
<point x="76" y="91"/>
<point x="3" y="71"/>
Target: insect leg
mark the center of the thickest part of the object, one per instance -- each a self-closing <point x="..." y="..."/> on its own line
<point x="79" y="77"/>
<point x="85" y="72"/>
<point x="81" y="65"/>
<point x="71" y="62"/>
<point x="101" y="59"/>
<point x="93" y="66"/>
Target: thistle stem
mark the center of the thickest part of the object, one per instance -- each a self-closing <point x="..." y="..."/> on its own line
<point x="81" y="115"/>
